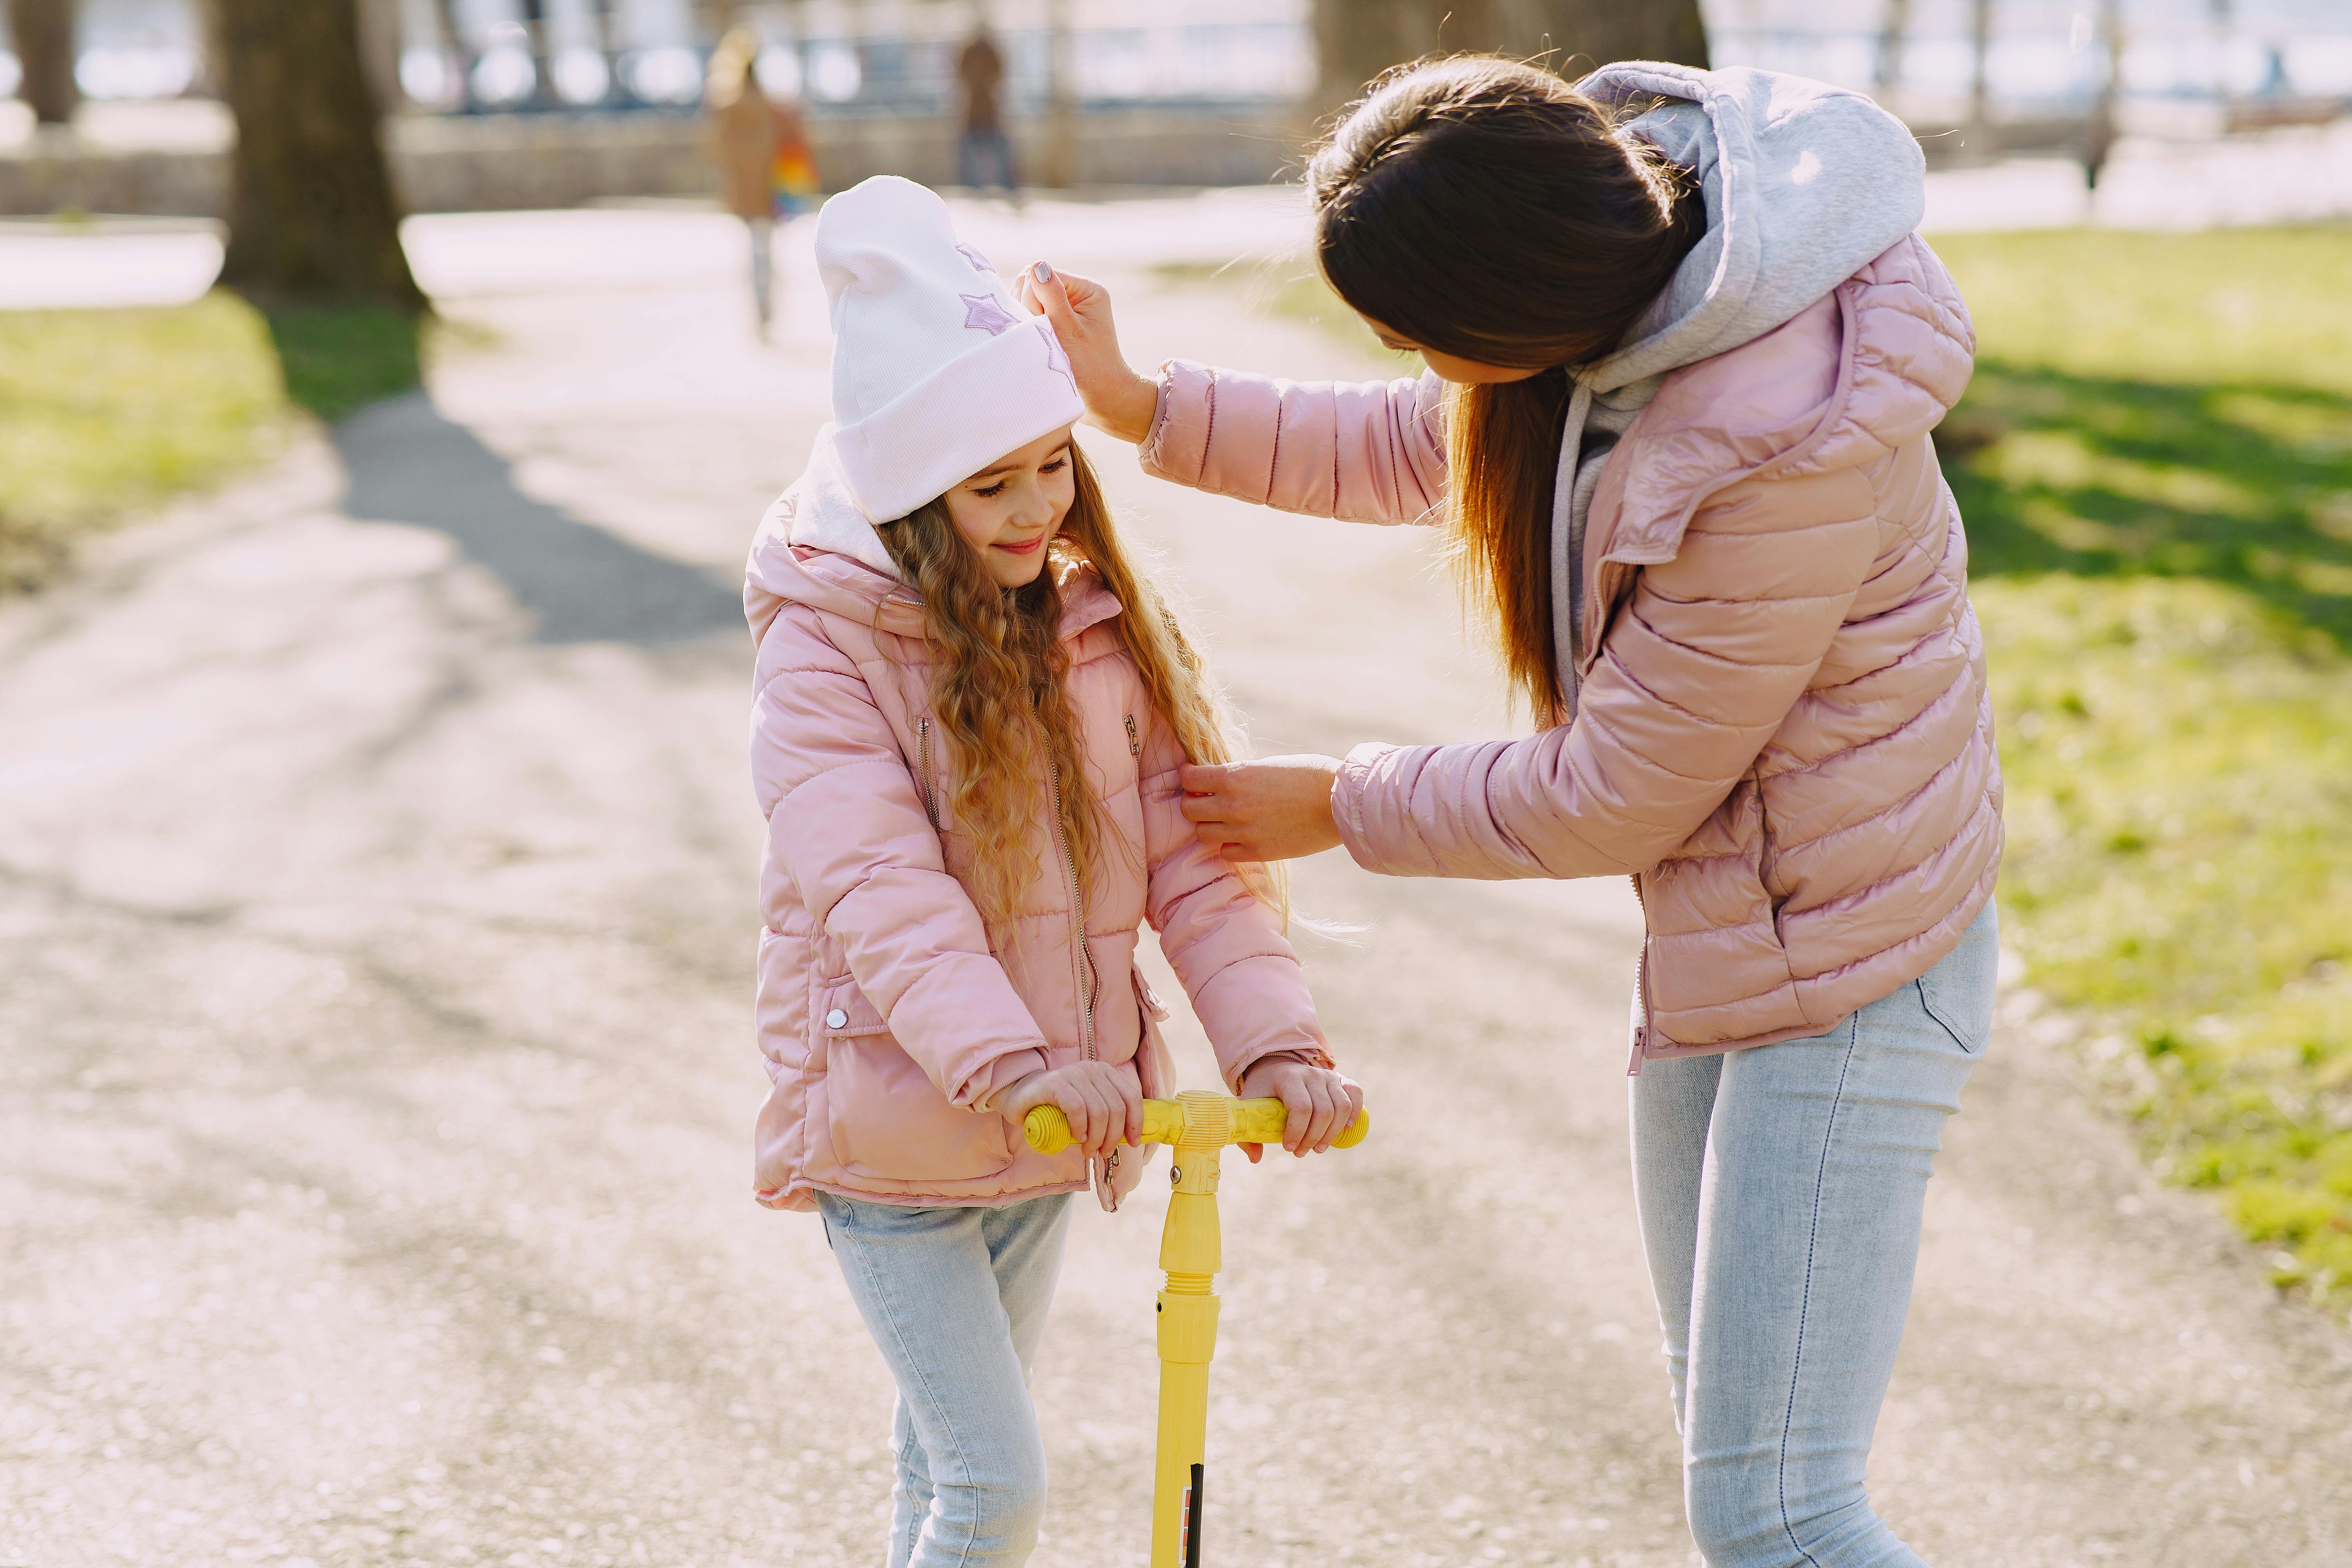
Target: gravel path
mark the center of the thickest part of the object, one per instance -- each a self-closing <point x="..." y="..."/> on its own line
<point x="376" y="883"/>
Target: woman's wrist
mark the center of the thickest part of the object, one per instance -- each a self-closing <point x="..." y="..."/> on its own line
<point x="1130" y="415"/>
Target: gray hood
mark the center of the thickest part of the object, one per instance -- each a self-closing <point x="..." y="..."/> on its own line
<point x="1803" y="183"/>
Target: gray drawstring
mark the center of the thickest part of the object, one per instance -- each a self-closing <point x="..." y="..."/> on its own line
<point x="1567" y="514"/>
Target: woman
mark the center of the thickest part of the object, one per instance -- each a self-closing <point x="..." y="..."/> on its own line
<point x="1733" y="592"/>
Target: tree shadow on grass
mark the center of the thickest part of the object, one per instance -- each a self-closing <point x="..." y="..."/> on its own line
<point x="2243" y="484"/>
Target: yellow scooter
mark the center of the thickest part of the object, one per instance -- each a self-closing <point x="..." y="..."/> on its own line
<point x="1199" y="1125"/>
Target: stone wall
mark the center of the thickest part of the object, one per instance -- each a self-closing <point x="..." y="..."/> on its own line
<point x="504" y="163"/>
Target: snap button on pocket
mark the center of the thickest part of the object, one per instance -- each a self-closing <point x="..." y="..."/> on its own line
<point x="836" y="1019"/>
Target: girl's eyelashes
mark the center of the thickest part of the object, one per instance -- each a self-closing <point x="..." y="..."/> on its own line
<point x="1051" y="466"/>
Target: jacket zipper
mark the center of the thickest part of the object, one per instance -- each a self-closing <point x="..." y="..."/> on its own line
<point x="1641" y="1040"/>
<point x="1082" y="958"/>
<point x="923" y="743"/>
<point x="1134" y="743"/>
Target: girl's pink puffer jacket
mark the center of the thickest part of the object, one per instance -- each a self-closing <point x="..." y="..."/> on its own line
<point x="886" y="1022"/>
<point x="1783" y="730"/>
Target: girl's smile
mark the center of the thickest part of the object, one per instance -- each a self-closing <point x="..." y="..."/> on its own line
<point x="1009" y="510"/>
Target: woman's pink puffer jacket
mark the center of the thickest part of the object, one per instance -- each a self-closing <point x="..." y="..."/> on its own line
<point x="1783" y="730"/>
<point x="885" y="1021"/>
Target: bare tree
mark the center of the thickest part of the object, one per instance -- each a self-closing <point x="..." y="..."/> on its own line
<point x="1358" y="39"/>
<point x="44" y="34"/>
<point x="312" y="216"/>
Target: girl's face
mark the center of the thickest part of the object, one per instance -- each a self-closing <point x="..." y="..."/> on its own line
<point x="1449" y="367"/>
<point x="1011" y="509"/>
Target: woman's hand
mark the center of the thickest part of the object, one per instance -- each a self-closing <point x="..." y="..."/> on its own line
<point x="1117" y="400"/>
<point x="1104" y="1107"/>
<point x="1323" y="1102"/>
<point x="1277" y="809"/>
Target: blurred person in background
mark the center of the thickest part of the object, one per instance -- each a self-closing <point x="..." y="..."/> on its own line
<point x="766" y="169"/>
<point x="984" y="153"/>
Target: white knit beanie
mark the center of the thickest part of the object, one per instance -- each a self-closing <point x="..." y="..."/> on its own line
<point x="937" y="370"/>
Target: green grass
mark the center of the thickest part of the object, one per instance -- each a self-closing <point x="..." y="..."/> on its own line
<point x="106" y="412"/>
<point x="336" y="361"/>
<point x="2155" y="460"/>
<point x="2155" y="466"/>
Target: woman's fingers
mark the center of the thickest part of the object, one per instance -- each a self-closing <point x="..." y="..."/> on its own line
<point x="1277" y="809"/>
<point x="1117" y="399"/>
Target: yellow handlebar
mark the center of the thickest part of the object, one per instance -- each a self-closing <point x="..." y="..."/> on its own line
<point x="1166" y="1121"/>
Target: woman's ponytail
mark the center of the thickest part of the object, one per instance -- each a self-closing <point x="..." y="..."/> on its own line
<point x="1486" y="209"/>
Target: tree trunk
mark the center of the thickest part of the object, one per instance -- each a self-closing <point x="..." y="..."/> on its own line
<point x="380" y="46"/>
<point x="312" y="215"/>
<point x="1358" y="39"/>
<point x="44" y="34"/>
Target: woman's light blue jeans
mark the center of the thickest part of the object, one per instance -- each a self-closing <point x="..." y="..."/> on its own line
<point x="955" y="1298"/>
<point x="1780" y="1191"/>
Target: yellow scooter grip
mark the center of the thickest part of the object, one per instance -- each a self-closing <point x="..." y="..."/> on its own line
<point x="1254" y="1121"/>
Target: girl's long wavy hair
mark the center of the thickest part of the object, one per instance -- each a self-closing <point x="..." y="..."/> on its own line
<point x="999" y="699"/>
<point x="1488" y="209"/>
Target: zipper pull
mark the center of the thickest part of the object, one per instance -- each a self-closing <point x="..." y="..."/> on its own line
<point x="923" y="748"/>
<point x="1134" y="743"/>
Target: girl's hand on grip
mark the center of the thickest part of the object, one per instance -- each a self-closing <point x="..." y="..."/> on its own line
<point x="1322" y="1102"/>
<point x="1102" y="1104"/>
<point x="1117" y="400"/>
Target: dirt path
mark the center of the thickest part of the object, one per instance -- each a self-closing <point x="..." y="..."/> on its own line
<point x="375" y="871"/>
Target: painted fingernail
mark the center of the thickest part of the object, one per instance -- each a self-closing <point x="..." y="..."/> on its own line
<point x="1042" y="273"/>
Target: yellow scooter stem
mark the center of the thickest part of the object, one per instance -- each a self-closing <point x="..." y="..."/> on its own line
<point x="1199" y="1125"/>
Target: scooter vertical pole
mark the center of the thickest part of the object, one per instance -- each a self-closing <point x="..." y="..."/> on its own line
<point x="1190" y="1255"/>
<point x="1198" y="1124"/>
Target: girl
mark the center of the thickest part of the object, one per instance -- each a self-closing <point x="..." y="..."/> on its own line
<point x="971" y="715"/>
<point x="1683" y="353"/>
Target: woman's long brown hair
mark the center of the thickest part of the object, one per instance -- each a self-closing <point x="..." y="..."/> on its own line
<point x="1485" y="209"/>
<point x="999" y="689"/>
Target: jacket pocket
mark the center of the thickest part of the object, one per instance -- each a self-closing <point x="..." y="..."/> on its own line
<point x="1155" y="1067"/>
<point x="1148" y="999"/>
<point x="888" y="1120"/>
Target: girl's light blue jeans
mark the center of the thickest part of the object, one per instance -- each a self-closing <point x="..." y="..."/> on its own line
<point x="955" y="1298"/>
<point x="1780" y="1191"/>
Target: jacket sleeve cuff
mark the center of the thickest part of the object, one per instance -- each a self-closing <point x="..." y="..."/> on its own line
<point x="1001" y="1074"/>
<point x="1177" y="449"/>
<point x="1371" y="806"/>
<point x="1307" y="1052"/>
